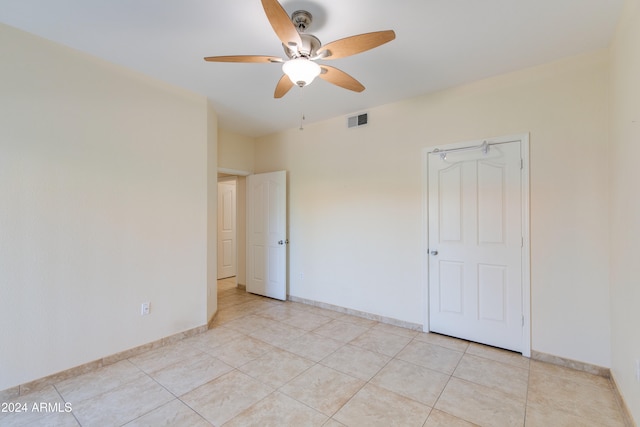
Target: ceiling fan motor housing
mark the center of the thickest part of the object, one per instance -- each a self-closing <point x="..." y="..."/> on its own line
<point x="310" y="45"/>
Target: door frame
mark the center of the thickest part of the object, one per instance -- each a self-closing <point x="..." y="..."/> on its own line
<point x="234" y="174"/>
<point x="526" y="242"/>
<point x="234" y="179"/>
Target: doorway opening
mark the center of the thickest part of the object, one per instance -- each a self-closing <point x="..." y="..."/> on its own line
<point x="231" y="227"/>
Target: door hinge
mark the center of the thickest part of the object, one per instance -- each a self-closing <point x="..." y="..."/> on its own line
<point x="521" y="164"/>
<point x="522" y="241"/>
<point x="523" y="320"/>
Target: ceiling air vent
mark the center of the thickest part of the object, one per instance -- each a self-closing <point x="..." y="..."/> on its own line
<point x="358" y="120"/>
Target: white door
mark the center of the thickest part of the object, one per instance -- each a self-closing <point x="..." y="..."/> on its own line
<point x="226" y="229"/>
<point x="475" y="244"/>
<point x="267" y="234"/>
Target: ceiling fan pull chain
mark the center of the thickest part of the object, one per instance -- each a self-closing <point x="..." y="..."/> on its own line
<point x="302" y="118"/>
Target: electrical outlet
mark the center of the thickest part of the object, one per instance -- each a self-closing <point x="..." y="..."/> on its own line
<point x="145" y="308"/>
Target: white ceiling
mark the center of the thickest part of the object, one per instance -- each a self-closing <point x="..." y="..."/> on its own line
<point x="439" y="44"/>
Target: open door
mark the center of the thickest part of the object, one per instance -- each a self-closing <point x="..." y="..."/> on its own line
<point x="267" y="234"/>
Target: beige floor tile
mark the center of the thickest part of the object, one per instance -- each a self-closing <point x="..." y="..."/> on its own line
<point x="431" y="356"/>
<point x="312" y="346"/>
<point x="499" y="355"/>
<point x="185" y="376"/>
<point x="122" y="404"/>
<point x="42" y="419"/>
<point x="278" y="410"/>
<point x="226" y="315"/>
<point x="256" y="305"/>
<point x="276" y="368"/>
<point x="162" y="357"/>
<point x="341" y="331"/>
<point x="227" y="292"/>
<point x="480" y="405"/>
<point x="306" y="321"/>
<point x="218" y="320"/>
<point x="99" y="381"/>
<point x="442" y="419"/>
<point x="357" y="320"/>
<point x="381" y="342"/>
<point x="234" y="299"/>
<point x="28" y="415"/>
<point x="356" y="361"/>
<point x="376" y="407"/>
<point x="443" y="340"/>
<point x="307" y="308"/>
<point x="248" y="324"/>
<point x="397" y="330"/>
<point x="213" y="338"/>
<point x="228" y="287"/>
<point x="505" y="378"/>
<point x="323" y="389"/>
<point x="226" y="284"/>
<point x="222" y="399"/>
<point x="569" y="374"/>
<point x="545" y="417"/>
<point x="243" y="350"/>
<point x="415" y="382"/>
<point x="594" y="403"/>
<point x="225" y="376"/>
<point x="228" y="299"/>
<point x="279" y="313"/>
<point x="277" y="333"/>
<point x="174" y="413"/>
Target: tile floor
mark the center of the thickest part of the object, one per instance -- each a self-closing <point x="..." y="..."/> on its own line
<point x="272" y="363"/>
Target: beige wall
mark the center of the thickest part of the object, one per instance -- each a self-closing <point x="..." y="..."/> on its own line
<point x="212" y="212"/>
<point x="625" y="204"/>
<point x="235" y="151"/>
<point x="103" y="184"/>
<point x="355" y="198"/>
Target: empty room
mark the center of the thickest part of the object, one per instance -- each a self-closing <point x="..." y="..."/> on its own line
<point x="319" y="213"/>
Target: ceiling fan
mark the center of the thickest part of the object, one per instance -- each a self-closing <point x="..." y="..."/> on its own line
<point x="304" y="49"/>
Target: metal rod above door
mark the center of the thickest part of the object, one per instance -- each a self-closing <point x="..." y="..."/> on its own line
<point x="484" y="147"/>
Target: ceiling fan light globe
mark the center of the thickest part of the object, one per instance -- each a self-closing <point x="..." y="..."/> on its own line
<point x="301" y="71"/>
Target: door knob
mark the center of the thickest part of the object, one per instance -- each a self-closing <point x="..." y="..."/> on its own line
<point x="280" y="242"/>
<point x="434" y="252"/>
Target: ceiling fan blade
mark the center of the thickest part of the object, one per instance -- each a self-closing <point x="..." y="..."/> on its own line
<point x="355" y="44"/>
<point x="243" y="58"/>
<point x="281" y="23"/>
<point x="283" y="86"/>
<point x="340" y="78"/>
